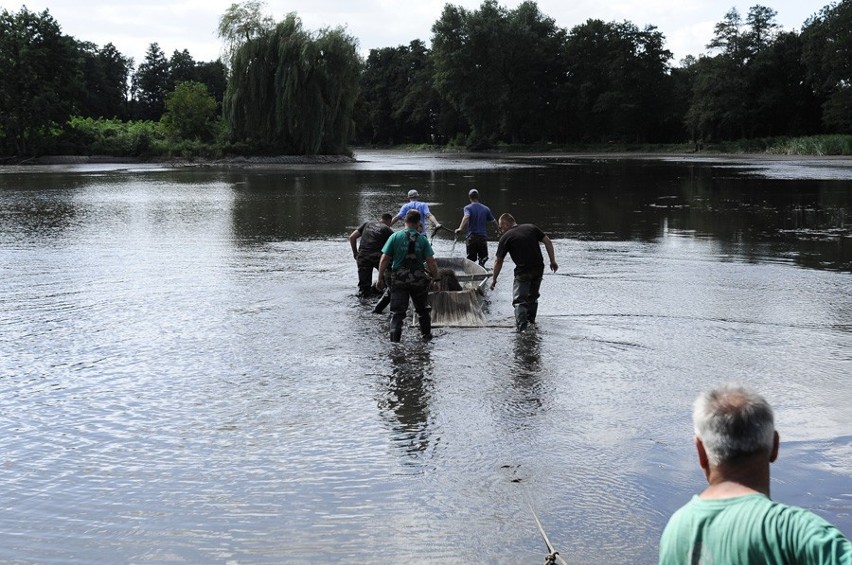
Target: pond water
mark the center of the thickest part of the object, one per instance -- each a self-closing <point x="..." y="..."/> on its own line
<point x="186" y="375"/>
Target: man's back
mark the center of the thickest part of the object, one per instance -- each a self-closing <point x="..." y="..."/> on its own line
<point x="421" y="207"/>
<point x="522" y="244"/>
<point x="373" y="237"/>
<point x="480" y="215"/>
<point x="397" y="247"/>
<point x="748" y="530"/>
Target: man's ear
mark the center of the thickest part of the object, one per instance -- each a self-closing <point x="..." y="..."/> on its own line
<point x="776" y="442"/>
<point x="703" y="460"/>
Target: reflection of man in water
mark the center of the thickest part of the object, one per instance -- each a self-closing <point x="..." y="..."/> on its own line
<point x="733" y="520"/>
<point x="476" y="218"/>
<point x="521" y="243"/>
<point x="373" y="237"/>
<point x="407" y="398"/>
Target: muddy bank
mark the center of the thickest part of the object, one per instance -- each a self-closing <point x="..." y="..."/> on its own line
<point x="194" y="162"/>
<point x="364" y="155"/>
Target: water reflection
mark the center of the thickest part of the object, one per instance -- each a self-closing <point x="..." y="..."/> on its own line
<point x="407" y="395"/>
<point x="527" y="348"/>
<point x="150" y="317"/>
<point x="527" y="372"/>
<point x="799" y="218"/>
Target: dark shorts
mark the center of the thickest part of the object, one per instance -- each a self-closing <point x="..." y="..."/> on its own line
<point x="477" y="248"/>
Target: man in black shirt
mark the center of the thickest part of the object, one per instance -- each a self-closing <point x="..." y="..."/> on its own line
<point x="521" y="242"/>
<point x="373" y="237"/>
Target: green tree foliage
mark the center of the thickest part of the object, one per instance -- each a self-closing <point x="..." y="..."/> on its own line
<point x="191" y="112"/>
<point x="753" y="86"/>
<point x="401" y="102"/>
<point x="717" y="110"/>
<point x="182" y="68"/>
<point x="151" y="83"/>
<point x="383" y="86"/>
<point x="827" y="54"/>
<point x="782" y="102"/>
<point x="493" y="75"/>
<point x="214" y="76"/>
<point x="534" y="69"/>
<point x="106" y="72"/>
<point x="422" y="105"/>
<point x="727" y="36"/>
<point x="619" y="81"/>
<point x="40" y="80"/>
<point x="499" y="69"/>
<point x="762" y="29"/>
<point x="241" y="23"/>
<point x="294" y="92"/>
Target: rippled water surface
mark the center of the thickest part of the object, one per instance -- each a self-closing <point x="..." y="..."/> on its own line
<point x="186" y="375"/>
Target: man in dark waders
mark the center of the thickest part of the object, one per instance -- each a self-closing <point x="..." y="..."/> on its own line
<point x="408" y="254"/>
<point x="521" y="242"/>
<point x="373" y="237"/>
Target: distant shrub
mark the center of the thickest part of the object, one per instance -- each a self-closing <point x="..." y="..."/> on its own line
<point x="101" y="136"/>
<point x="838" y="144"/>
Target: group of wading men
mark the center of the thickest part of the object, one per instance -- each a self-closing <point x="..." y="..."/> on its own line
<point x="733" y="521"/>
<point x="407" y="267"/>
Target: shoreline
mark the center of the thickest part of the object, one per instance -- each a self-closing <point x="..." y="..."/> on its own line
<point x="241" y="162"/>
<point x="180" y="162"/>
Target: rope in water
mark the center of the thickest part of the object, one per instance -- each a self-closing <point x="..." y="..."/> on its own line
<point x="553" y="556"/>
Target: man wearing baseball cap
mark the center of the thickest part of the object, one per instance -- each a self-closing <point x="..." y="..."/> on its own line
<point x="422" y="207"/>
<point x="476" y="218"/>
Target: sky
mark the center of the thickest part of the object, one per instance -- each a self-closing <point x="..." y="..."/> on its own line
<point x="191" y="24"/>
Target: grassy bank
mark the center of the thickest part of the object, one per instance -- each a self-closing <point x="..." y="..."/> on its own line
<point x="818" y="145"/>
<point x="154" y="140"/>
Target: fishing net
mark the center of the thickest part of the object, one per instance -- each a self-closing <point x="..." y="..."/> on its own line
<point x="458" y="303"/>
<point x="447" y="280"/>
<point x="459" y="308"/>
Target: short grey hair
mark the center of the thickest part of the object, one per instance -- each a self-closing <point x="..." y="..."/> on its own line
<point x="732" y="421"/>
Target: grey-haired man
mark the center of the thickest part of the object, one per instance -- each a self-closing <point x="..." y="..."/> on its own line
<point x="733" y="521"/>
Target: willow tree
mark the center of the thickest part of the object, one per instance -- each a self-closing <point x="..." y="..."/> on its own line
<point x="241" y="23"/>
<point x="293" y="92"/>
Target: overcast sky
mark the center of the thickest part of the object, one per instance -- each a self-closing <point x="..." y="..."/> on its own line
<point x="191" y="24"/>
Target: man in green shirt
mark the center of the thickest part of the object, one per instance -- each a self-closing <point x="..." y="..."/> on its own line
<point x="733" y="521"/>
<point x="407" y="253"/>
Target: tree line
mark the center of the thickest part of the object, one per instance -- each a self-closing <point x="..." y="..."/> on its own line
<point x="491" y="76"/>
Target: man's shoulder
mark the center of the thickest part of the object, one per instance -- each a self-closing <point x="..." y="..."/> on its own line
<point x="752" y="519"/>
<point x="396" y="235"/>
<point x="523" y="230"/>
<point x="532" y="229"/>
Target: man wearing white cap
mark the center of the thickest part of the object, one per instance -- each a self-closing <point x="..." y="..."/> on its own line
<point x="422" y="207"/>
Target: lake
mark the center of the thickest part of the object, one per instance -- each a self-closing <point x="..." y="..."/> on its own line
<point x="187" y="376"/>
